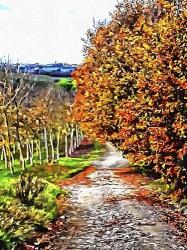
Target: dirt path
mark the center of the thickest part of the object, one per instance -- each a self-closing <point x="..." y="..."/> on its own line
<point x="96" y="222"/>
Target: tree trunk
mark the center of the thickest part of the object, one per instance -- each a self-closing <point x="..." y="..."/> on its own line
<point x="32" y="148"/>
<point x="52" y="146"/>
<point x="14" y="149"/>
<point x="2" y="154"/>
<point x="66" y="145"/>
<point x="5" y="157"/>
<point x="20" y="146"/>
<point x="38" y="143"/>
<point x="12" y="158"/>
<point x="21" y="156"/>
<point x="58" y="145"/>
<point x="77" y="135"/>
<point x="46" y="145"/>
<point x="71" y="148"/>
<point x="75" y="142"/>
<point x="30" y="154"/>
<point x="8" y="147"/>
<point x="27" y="151"/>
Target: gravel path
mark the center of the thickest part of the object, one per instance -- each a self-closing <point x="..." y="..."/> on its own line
<point x="96" y="222"/>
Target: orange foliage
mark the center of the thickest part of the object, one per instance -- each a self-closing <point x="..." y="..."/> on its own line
<point x="132" y="87"/>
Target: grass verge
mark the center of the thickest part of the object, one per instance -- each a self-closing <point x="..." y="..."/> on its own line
<point x="17" y="220"/>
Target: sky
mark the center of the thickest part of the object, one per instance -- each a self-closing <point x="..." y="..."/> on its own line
<point x="46" y="31"/>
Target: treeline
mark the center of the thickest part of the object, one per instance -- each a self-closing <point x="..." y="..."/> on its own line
<point x="132" y="87"/>
<point x="36" y="124"/>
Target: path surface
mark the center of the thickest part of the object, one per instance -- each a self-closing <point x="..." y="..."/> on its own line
<point x="96" y="222"/>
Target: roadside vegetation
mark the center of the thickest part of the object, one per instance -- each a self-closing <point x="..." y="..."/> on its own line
<point x="28" y="199"/>
<point x="38" y="137"/>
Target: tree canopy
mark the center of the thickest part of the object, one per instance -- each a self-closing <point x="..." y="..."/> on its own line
<point x="132" y="86"/>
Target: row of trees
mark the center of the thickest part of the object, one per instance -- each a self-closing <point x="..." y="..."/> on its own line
<point x="132" y="86"/>
<point x="35" y="123"/>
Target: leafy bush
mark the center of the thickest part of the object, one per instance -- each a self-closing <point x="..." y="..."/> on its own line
<point x="46" y="200"/>
<point x="17" y="222"/>
<point x="28" y="188"/>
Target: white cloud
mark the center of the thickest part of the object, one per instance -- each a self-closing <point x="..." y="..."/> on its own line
<point x="48" y="30"/>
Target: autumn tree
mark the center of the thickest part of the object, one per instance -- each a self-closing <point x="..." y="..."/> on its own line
<point x="36" y="123"/>
<point x="131" y="87"/>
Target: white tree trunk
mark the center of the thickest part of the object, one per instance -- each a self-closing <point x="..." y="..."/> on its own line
<point x="66" y="145"/>
<point x="46" y="144"/>
<point x="21" y="157"/>
<point x="14" y="149"/>
<point x="2" y="154"/>
<point x="12" y="158"/>
<point x="32" y="148"/>
<point x="30" y="154"/>
<point x="71" y="148"/>
<point x="58" y="145"/>
<point x="52" y="146"/>
<point x="77" y="135"/>
<point x="5" y="157"/>
<point x="27" y="150"/>
<point x="38" y="144"/>
<point x="10" y="166"/>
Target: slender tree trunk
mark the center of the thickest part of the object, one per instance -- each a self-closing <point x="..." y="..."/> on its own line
<point x="8" y="147"/>
<point x="14" y="149"/>
<point x="37" y="151"/>
<point x="77" y="135"/>
<point x="30" y="154"/>
<point x="5" y="157"/>
<point x="8" y="157"/>
<point x="46" y="144"/>
<point x="21" y="156"/>
<point x="58" y="145"/>
<point x="32" y="148"/>
<point x="2" y="154"/>
<point x="38" y="143"/>
<point x="75" y="142"/>
<point x="52" y="146"/>
<point x="10" y="166"/>
<point x="12" y="158"/>
<point x="27" y="151"/>
<point x="71" y="148"/>
<point x="66" y="145"/>
<point x="20" y="146"/>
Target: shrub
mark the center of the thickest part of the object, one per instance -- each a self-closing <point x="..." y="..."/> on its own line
<point x="17" y="222"/>
<point x="28" y="188"/>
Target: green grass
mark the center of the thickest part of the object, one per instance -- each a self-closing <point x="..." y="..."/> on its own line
<point x="17" y="221"/>
<point x="66" y="166"/>
<point x="68" y="83"/>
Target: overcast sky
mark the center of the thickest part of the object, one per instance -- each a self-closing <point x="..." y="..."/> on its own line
<point x="45" y="31"/>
